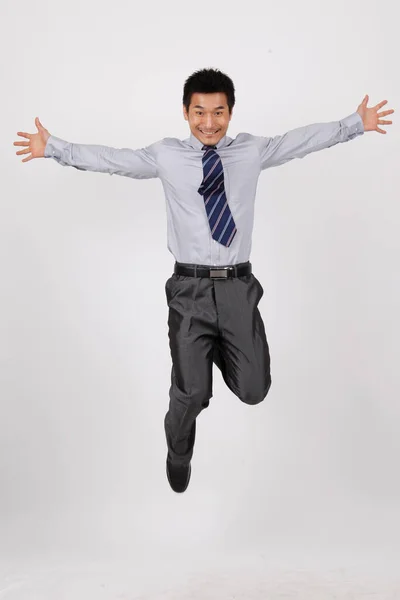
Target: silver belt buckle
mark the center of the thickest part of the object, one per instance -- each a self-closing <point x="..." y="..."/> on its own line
<point x="221" y="273"/>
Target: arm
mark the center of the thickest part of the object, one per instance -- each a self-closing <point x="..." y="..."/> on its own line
<point x="304" y="140"/>
<point x="139" y="164"/>
<point x="299" y="142"/>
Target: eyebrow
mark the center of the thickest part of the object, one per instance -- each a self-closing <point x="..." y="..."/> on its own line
<point x="217" y="108"/>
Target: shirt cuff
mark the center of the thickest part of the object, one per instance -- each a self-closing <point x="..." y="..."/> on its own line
<point x="354" y="125"/>
<point x="54" y="147"/>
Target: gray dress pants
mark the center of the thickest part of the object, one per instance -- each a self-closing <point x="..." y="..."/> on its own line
<point x="212" y="321"/>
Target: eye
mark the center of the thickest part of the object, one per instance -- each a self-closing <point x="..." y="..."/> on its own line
<point x="198" y="112"/>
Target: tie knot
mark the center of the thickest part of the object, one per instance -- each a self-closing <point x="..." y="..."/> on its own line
<point x="209" y="147"/>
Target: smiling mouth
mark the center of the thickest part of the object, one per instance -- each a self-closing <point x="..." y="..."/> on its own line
<point x="209" y="133"/>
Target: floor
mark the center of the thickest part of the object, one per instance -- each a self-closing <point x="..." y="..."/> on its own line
<point x="155" y="577"/>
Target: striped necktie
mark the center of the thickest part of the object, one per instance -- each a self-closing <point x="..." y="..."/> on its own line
<point x="222" y="225"/>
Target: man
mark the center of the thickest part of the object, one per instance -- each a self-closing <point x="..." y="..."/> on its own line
<point x="209" y="181"/>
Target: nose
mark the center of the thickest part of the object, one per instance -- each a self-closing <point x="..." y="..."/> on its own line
<point x="208" y="123"/>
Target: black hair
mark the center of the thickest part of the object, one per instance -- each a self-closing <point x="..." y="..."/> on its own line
<point x="209" y="81"/>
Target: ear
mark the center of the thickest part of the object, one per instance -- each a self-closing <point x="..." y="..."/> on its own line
<point x="186" y="116"/>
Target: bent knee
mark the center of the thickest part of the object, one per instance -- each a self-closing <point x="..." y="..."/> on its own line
<point x="254" y="395"/>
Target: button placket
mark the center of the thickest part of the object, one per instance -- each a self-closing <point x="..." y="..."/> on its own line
<point x="215" y="254"/>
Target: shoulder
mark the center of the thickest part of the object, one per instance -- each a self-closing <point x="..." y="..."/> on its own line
<point x="167" y="145"/>
<point x="246" y="141"/>
<point x="244" y="138"/>
<point x="171" y="142"/>
<point x="159" y="147"/>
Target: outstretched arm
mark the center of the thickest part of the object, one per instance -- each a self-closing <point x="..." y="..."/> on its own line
<point x="139" y="164"/>
<point x="299" y="142"/>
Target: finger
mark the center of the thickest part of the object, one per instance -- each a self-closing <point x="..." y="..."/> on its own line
<point x="381" y="104"/>
<point x="26" y="159"/>
<point x="386" y="112"/>
<point x="381" y="122"/>
<point x="24" y="134"/>
<point x="26" y="151"/>
<point x="380" y="130"/>
<point x="21" y="143"/>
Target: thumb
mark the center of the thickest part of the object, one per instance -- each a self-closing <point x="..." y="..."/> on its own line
<point x="38" y="123"/>
<point x="365" y="101"/>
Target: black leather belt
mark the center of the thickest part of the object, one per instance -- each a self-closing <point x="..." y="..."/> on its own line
<point x="217" y="272"/>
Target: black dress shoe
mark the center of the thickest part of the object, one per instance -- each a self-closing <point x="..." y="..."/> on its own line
<point x="178" y="476"/>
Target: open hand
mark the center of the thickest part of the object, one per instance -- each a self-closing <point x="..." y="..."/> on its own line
<point x="371" y="117"/>
<point x="36" y="144"/>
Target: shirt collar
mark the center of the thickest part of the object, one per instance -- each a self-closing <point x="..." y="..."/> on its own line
<point x="197" y="144"/>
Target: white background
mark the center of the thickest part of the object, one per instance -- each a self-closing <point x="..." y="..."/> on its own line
<point x="294" y="498"/>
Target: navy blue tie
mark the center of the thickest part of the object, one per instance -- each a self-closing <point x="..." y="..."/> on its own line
<point x="222" y="225"/>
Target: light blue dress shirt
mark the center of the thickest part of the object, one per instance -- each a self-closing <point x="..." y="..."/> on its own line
<point x="177" y="163"/>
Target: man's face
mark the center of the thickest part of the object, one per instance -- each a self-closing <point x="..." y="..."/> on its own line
<point x="208" y="114"/>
